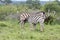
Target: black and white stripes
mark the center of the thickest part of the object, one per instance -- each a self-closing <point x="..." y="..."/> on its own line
<point x="33" y="19"/>
<point x="23" y="18"/>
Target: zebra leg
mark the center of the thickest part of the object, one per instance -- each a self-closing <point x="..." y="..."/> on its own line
<point x="42" y="25"/>
<point x="34" y="25"/>
<point x="22" y="24"/>
<point x="31" y="26"/>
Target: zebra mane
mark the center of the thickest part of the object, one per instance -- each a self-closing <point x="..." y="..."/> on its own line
<point x="40" y="12"/>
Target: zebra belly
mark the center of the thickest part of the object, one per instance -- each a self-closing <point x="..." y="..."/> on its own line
<point x="35" y="21"/>
<point x="32" y="20"/>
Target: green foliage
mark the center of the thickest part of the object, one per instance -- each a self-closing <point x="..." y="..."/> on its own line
<point x="50" y="20"/>
<point x="33" y="4"/>
<point x="57" y="2"/>
<point x="6" y="10"/>
<point x="53" y="6"/>
<point x="22" y="8"/>
<point x="11" y="9"/>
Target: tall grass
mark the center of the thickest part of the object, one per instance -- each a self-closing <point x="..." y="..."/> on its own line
<point x="12" y="31"/>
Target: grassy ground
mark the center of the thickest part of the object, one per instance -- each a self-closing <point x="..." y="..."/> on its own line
<point x="11" y="31"/>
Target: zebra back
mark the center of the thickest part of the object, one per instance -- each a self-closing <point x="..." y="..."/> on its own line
<point x="36" y="17"/>
<point x="24" y="15"/>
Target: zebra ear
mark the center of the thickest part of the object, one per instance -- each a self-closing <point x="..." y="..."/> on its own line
<point x="43" y="12"/>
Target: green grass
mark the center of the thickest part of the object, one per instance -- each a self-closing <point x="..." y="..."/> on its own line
<point x="12" y="31"/>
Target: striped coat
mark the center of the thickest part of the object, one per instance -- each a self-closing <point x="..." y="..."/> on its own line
<point x="37" y="18"/>
<point x="23" y="18"/>
<point x="33" y="19"/>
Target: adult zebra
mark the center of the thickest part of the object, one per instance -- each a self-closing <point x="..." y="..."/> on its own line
<point x="33" y="19"/>
<point x="23" y="18"/>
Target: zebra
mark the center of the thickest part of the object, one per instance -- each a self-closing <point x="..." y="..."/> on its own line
<point x="33" y="19"/>
<point x="23" y="18"/>
<point x="37" y="18"/>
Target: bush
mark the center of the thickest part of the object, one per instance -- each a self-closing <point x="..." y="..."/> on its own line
<point x="6" y="10"/>
<point x="53" y="6"/>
